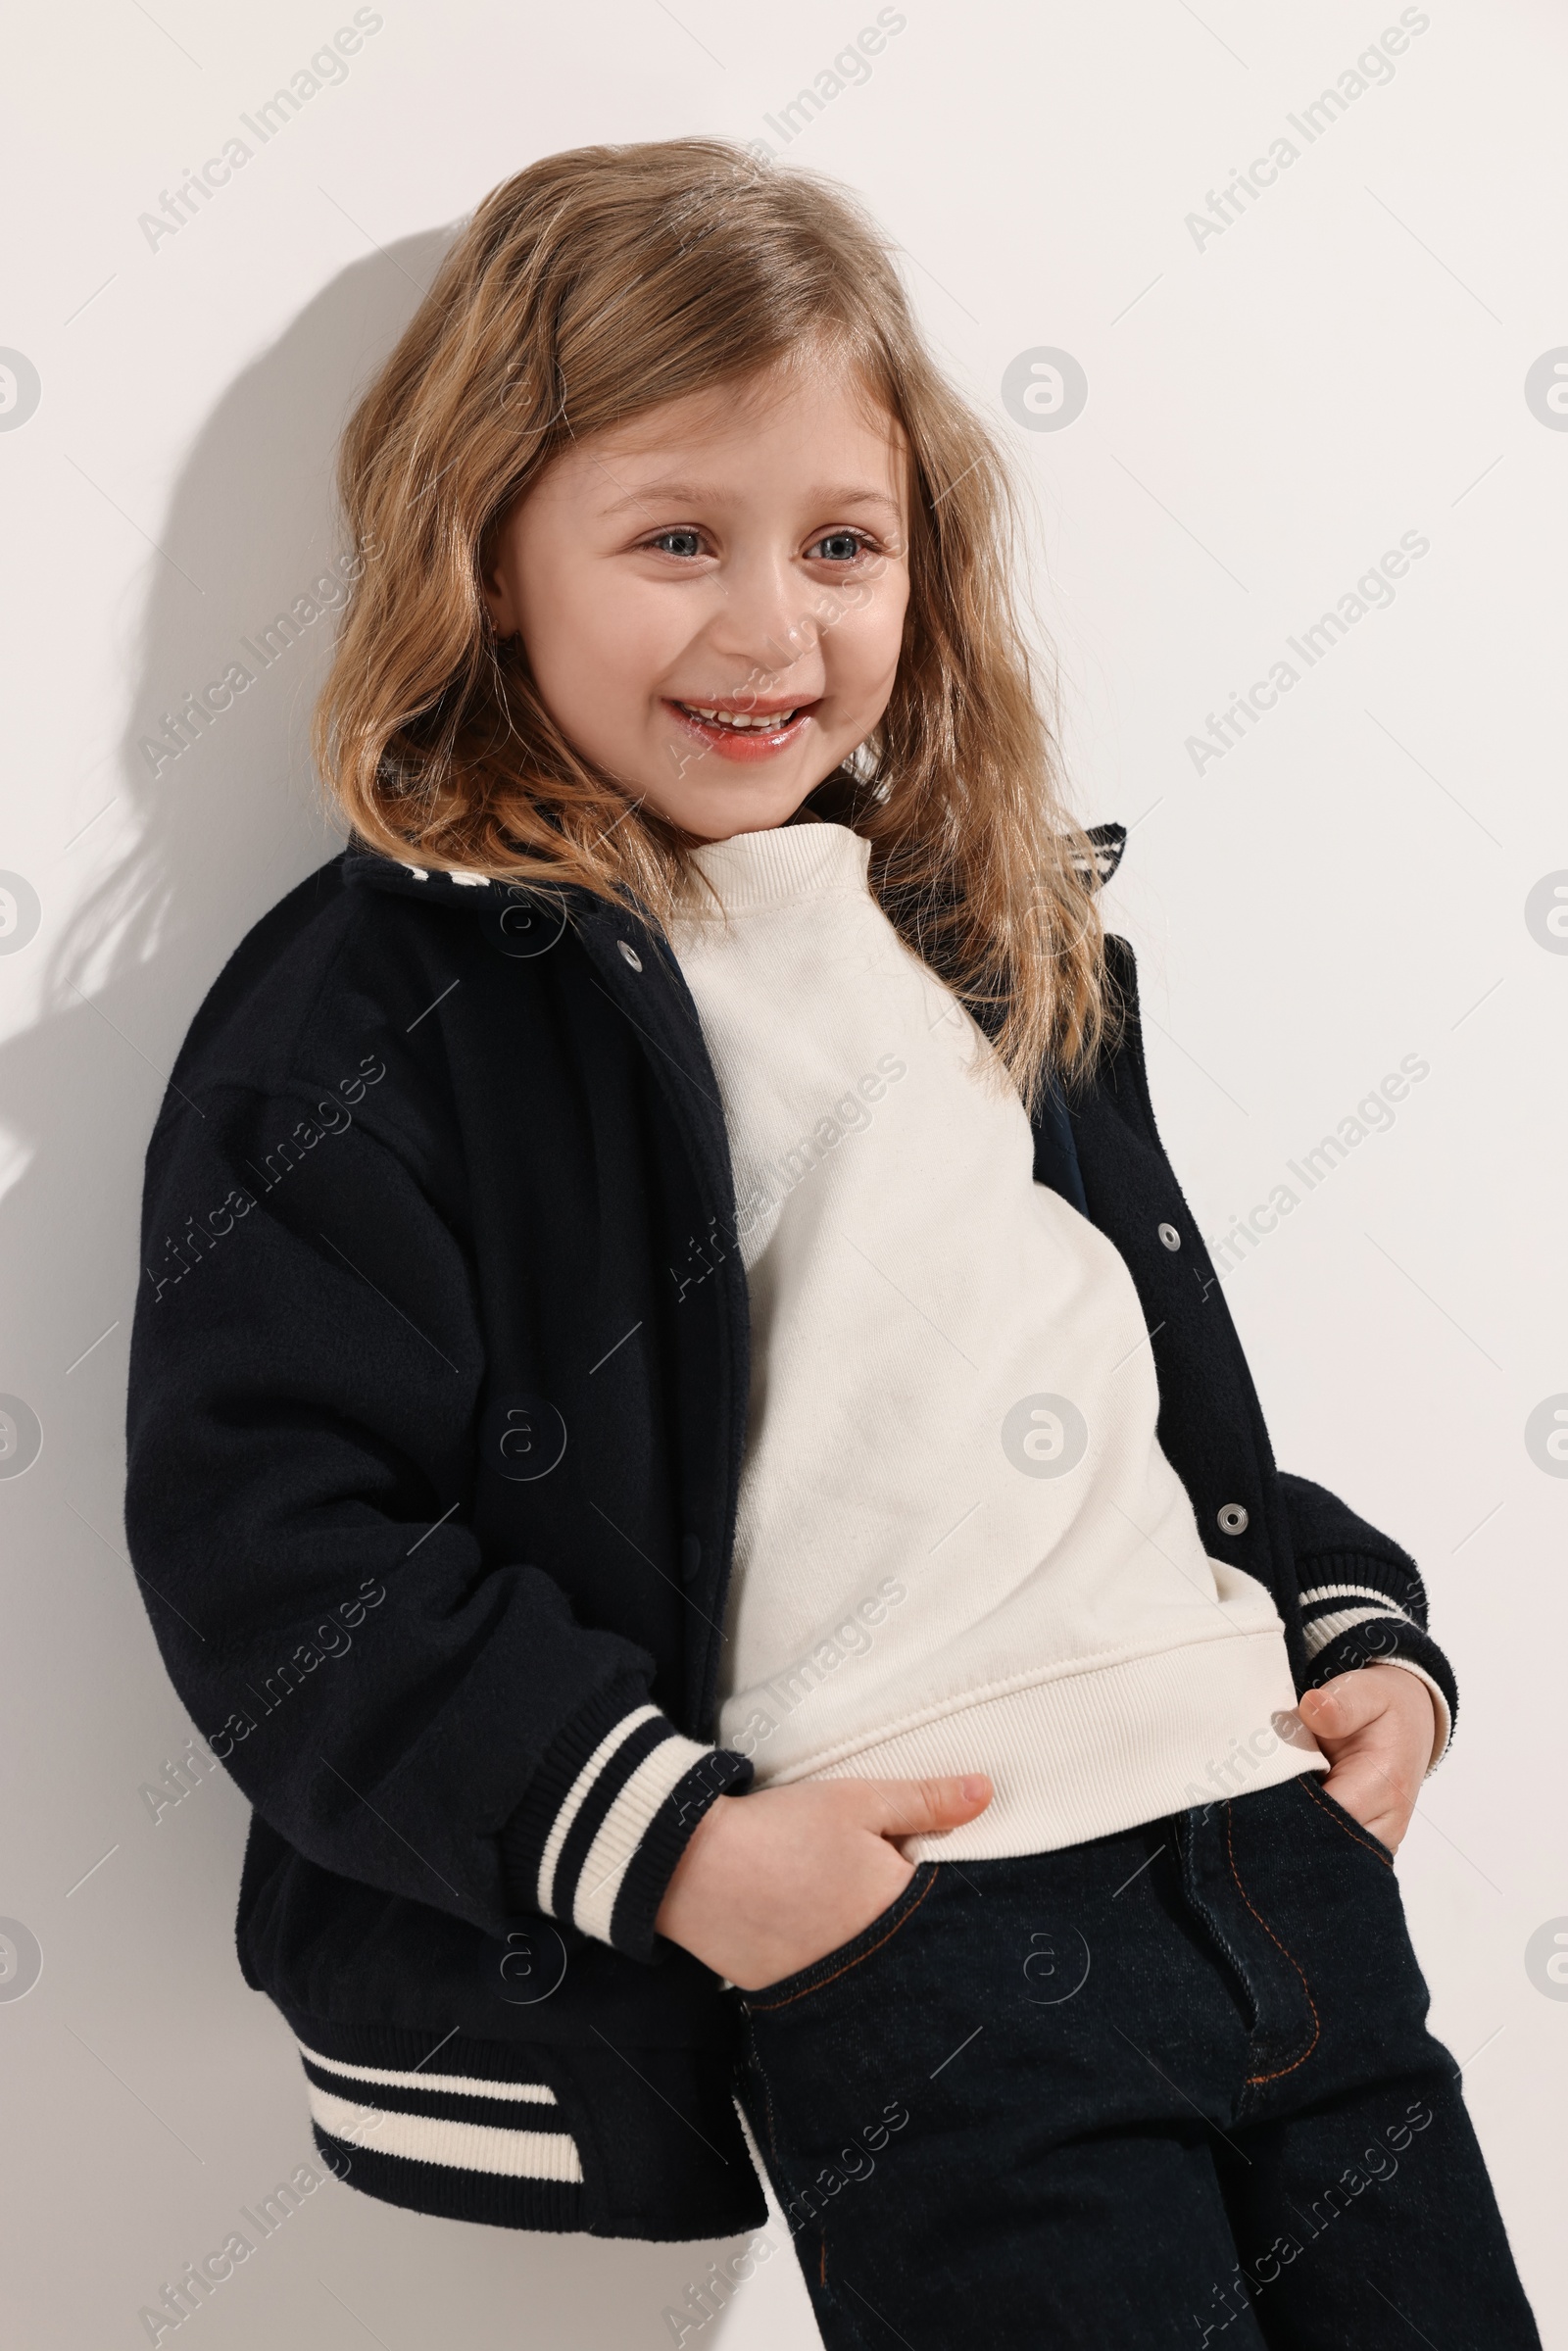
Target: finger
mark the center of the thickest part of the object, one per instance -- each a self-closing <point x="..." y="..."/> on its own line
<point x="1344" y="1705"/>
<point x="919" y="1807"/>
<point x="1371" y="1798"/>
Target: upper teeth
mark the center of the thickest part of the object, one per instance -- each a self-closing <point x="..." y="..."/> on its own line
<point x="774" y="718"/>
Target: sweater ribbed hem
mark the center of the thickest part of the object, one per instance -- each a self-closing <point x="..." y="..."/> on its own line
<point x="1092" y="1753"/>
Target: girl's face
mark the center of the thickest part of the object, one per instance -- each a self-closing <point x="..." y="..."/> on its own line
<point x="711" y="599"/>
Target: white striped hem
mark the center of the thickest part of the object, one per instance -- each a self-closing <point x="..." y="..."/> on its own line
<point x="577" y="1794"/>
<point x="623" y="1827"/>
<point x="460" y="2146"/>
<point x="462" y="2085"/>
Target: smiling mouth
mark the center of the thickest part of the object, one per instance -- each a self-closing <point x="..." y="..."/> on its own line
<point x="759" y="723"/>
<point x="743" y="732"/>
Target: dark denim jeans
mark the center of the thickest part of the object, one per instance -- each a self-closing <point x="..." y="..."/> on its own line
<point x="1167" y="2088"/>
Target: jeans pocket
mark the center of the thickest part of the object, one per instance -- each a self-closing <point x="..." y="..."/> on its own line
<point x="1311" y="1785"/>
<point x="837" y="1963"/>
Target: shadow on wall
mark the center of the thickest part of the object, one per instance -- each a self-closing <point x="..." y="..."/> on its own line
<point x="201" y="828"/>
<point x="215" y="764"/>
<point x="162" y="882"/>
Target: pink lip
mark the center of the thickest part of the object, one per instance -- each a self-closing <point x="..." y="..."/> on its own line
<point x="731" y="743"/>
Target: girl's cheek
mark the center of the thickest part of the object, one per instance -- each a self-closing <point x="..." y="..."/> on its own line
<point x="861" y="647"/>
<point x="655" y="644"/>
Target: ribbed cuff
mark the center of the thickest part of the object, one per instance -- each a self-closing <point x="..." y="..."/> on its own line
<point x="1351" y="1617"/>
<point x="608" y="1815"/>
<point x="717" y="1772"/>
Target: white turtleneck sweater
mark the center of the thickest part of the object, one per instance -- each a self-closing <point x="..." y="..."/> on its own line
<point x="958" y="1543"/>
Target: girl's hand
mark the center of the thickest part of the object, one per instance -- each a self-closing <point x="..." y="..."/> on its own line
<point x="774" y="1880"/>
<point x="1376" y="1727"/>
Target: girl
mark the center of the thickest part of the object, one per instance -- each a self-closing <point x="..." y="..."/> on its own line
<point x="685" y="1447"/>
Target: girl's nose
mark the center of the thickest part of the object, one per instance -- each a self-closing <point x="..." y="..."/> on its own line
<point x="770" y="628"/>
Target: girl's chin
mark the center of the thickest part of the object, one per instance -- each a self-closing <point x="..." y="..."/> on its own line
<point x="709" y="805"/>
<point x="742" y="747"/>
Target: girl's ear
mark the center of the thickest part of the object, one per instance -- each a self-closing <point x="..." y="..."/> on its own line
<point x="496" y="576"/>
<point x="498" y="602"/>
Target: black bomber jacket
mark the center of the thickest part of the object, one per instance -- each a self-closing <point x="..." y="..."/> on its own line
<point x="437" y="1402"/>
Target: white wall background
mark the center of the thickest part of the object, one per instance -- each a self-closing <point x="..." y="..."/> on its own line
<point x="1267" y="412"/>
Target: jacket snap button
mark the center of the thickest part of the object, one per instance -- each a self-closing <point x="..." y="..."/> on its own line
<point x="1171" y="1237"/>
<point x="1233" y="1518"/>
<point x="630" y="954"/>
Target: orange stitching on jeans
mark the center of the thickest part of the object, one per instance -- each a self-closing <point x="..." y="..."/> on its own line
<point x="767" y="2096"/>
<point x="1254" y="2080"/>
<point x="762" y="2006"/>
<point x="1301" y="1778"/>
<point x="821" y="2272"/>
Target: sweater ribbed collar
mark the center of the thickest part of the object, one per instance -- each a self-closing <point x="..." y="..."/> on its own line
<point x="790" y="860"/>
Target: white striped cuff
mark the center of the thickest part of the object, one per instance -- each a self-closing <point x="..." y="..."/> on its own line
<point x="1319" y="1631"/>
<point x="612" y="1805"/>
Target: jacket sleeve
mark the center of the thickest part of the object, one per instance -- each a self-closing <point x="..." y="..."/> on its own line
<point x="1362" y="1599"/>
<point x="307" y="1367"/>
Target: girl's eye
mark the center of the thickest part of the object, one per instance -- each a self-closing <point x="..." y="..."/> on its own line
<point x="838" y="546"/>
<point x="678" y="542"/>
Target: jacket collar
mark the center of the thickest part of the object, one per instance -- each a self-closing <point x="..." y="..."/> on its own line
<point x="367" y="869"/>
<point x="634" y="966"/>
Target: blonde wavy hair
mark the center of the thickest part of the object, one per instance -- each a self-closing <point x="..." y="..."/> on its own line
<point x="586" y="290"/>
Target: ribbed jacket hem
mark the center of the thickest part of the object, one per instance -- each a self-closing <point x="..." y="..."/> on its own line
<point x="568" y="2138"/>
<point x="457" y="2195"/>
<point x="472" y="2130"/>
